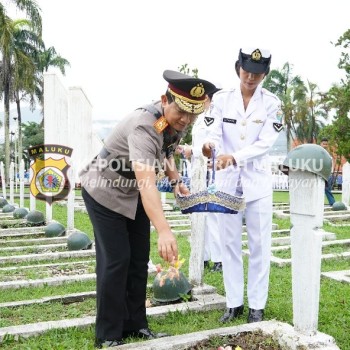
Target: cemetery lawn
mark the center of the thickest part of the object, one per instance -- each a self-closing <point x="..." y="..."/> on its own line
<point x="334" y="311"/>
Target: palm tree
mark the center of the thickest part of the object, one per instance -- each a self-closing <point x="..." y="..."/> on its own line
<point x="311" y="115"/>
<point x="7" y="27"/>
<point x="29" y="7"/>
<point x="291" y="91"/>
<point x="27" y="44"/>
<point x="47" y="58"/>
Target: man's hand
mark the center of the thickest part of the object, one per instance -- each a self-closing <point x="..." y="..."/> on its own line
<point x="185" y="150"/>
<point x="167" y="246"/>
<point x="182" y="190"/>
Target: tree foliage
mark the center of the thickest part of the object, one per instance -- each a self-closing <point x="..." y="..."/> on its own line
<point x="23" y="61"/>
<point x="33" y="134"/>
<point x="302" y="107"/>
<point x="11" y="54"/>
<point x="338" y="99"/>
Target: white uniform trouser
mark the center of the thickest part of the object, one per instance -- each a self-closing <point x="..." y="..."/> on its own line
<point x="258" y="216"/>
<point x="212" y="246"/>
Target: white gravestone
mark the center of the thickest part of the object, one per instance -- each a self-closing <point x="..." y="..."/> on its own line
<point x="32" y="203"/>
<point x="198" y="183"/>
<point x="3" y="184"/>
<point x="306" y="214"/>
<point x="11" y="171"/>
<point x="21" y="183"/>
<point x="70" y="201"/>
<point x="346" y="184"/>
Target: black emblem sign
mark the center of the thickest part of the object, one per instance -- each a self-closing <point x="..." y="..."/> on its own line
<point x="208" y="121"/>
<point x="277" y="126"/>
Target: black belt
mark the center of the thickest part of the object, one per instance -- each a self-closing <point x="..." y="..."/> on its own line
<point x="115" y="164"/>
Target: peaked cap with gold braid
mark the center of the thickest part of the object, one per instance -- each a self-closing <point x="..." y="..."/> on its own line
<point x="189" y="93"/>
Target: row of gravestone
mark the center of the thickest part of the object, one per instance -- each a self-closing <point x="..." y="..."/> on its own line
<point x="44" y="233"/>
<point x="41" y="231"/>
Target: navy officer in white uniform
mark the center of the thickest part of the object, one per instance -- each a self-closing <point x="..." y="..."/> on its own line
<point x="246" y="123"/>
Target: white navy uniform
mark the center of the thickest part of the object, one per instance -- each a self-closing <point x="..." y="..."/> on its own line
<point x="247" y="135"/>
<point x="212" y="246"/>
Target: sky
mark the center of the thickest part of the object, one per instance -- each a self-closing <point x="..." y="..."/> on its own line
<point x="118" y="50"/>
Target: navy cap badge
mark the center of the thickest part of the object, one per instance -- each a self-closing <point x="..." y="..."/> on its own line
<point x="256" y="55"/>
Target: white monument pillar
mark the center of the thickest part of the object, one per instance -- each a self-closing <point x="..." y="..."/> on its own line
<point x="346" y="184"/>
<point x="306" y="214"/>
<point x="56" y="119"/>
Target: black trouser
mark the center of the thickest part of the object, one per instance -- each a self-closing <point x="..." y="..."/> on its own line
<point x="122" y="255"/>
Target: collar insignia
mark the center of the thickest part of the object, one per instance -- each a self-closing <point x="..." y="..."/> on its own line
<point x="160" y="124"/>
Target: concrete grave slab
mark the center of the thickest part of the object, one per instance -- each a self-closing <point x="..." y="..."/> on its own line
<point x="49" y="256"/>
<point x="281" y="332"/>
<point x="340" y="276"/>
<point x="206" y="299"/>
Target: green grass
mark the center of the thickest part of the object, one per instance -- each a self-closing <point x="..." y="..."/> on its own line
<point x="45" y="312"/>
<point x="334" y="312"/>
<point x="27" y="293"/>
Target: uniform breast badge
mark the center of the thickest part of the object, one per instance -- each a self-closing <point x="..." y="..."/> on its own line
<point x="258" y="121"/>
<point x="160" y="124"/>
<point x="229" y="120"/>
<point x="279" y="116"/>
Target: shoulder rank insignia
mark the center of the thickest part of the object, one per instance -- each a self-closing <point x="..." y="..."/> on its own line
<point x="208" y="120"/>
<point x="160" y="124"/>
<point x="278" y="126"/>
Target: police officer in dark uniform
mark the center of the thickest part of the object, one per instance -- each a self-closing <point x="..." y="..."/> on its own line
<point x="121" y="197"/>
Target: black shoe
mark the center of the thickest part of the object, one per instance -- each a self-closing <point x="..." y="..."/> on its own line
<point x="206" y="264"/>
<point x="100" y="343"/>
<point x="144" y="333"/>
<point x="217" y="267"/>
<point x="255" y="315"/>
<point x="232" y="313"/>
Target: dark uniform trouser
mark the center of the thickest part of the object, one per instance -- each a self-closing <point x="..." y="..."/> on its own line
<point x="122" y="255"/>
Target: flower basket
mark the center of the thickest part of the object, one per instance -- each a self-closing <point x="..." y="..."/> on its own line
<point x="210" y="200"/>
